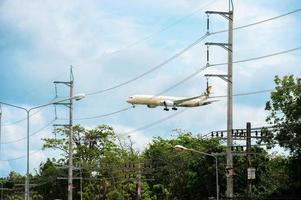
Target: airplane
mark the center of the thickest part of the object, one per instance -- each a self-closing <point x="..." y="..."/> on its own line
<point x="169" y="101"/>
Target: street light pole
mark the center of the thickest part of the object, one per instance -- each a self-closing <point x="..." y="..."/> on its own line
<point x="180" y="147"/>
<point x="77" y="97"/>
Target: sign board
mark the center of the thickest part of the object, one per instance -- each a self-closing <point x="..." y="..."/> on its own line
<point x="251" y="173"/>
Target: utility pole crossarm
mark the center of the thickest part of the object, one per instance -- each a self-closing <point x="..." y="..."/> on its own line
<point x="223" y="14"/>
<point x="222" y="76"/>
<point x="223" y="45"/>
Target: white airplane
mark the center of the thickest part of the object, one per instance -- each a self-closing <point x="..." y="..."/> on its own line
<point x="173" y="102"/>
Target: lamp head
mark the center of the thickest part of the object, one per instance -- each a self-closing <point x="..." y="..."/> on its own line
<point x="180" y="147"/>
<point x="79" y="96"/>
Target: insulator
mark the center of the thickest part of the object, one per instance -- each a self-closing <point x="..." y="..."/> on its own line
<point x="207" y="54"/>
<point x="241" y="133"/>
<point x="208" y="24"/>
<point x="236" y="133"/>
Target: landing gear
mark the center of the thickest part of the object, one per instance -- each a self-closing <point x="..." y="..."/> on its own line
<point x="174" y="108"/>
<point x="165" y="105"/>
<point x="133" y="105"/>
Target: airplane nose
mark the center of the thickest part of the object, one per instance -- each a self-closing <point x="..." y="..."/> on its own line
<point x="128" y="100"/>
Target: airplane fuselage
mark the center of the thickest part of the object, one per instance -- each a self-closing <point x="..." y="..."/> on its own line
<point x="168" y="101"/>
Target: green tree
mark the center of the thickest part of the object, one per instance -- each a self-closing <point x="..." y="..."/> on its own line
<point x="182" y="175"/>
<point x="285" y="112"/>
<point x="48" y="184"/>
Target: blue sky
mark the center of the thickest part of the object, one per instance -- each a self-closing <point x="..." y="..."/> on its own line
<point x="41" y="40"/>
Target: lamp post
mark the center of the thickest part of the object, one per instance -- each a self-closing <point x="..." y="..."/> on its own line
<point x="180" y="147"/>
<point x="28" y="110"/>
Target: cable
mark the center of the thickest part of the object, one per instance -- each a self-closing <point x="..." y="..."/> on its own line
<point x="101" y="116"/>
<point x="163" y="29"/>
<point x="153" y="68"/>
<point x="23" y="138"/>
<point x="23" y="119"/>
<point x="194" y="74"/>
<point x="183" y="51"/>
<point x="183" y="80"/>
<point x="259" y="57"/>
<point x="20" y="157"/>
<point x="157" y="122"/>
<point x="131" y="107"/>
<point x="259" y="22"/>
<point x="245" y="93"/>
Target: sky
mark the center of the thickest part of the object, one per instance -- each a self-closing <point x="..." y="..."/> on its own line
<point x="110" y="42"/>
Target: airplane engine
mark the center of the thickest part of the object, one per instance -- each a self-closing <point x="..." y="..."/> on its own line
<point x="167" y="103"/>
<point x="151" y="106"/>
<point x="202" y="103"/>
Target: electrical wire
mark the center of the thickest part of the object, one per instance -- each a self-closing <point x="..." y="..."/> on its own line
<point x="153" y="68"/>
<point x="184" y="50"/>
<point x="259" y="57"/>
<point x="258" y="22"/>
<point x="23" y="119"/>
<point x="156" y="122"/>
<point x="20" y="157"/>
<point x="101" y="116"/>
<point x="245" y="93"/>
<point x="131" y="107"/>
<point x="34" y="133"/>
<point x="197" y="72"/>
<point x="163" y="28"/>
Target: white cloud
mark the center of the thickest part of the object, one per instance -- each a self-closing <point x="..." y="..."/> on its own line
<point x="88" y="35"/>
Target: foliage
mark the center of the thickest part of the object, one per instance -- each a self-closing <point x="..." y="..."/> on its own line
<point x="285" y="111"/>
<point x="182" y="175"/>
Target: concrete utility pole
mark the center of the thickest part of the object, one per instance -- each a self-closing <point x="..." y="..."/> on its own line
<point x="70" y="148"/>
<point x="70" y="84"/>
<point x="0" y="129"/>
<point x="230" y="106"/>
<point x="139" y="182"/>
<point x="248" y="144"/>
<point x="229" y="79"/>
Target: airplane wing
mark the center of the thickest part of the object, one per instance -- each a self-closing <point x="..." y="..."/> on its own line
<point x="209" y="102"/>
<point x="205" y="94"/>
<point x="177" y="102"/>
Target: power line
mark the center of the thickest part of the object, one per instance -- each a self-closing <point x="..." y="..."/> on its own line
<point x="23" y="119"/>
<point x="131" y="107"/>
<point x="21" y="157"/>
<point x="104" y="115"/>
<point x="194" y="74"/>
<point x="183" y="51"/>
<point x="259" y="57"/>
<point x="34" y="133"/>
<point x="163" y="28"/>
<point x="153" y="68"/>
<point x="157" y="121"/>
<point x="258" y="22"/>
<point x="245" y="93"/>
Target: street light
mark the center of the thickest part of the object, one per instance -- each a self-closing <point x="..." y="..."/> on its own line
<point x="180" y="147"/>
<point x="27" y="110"/>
